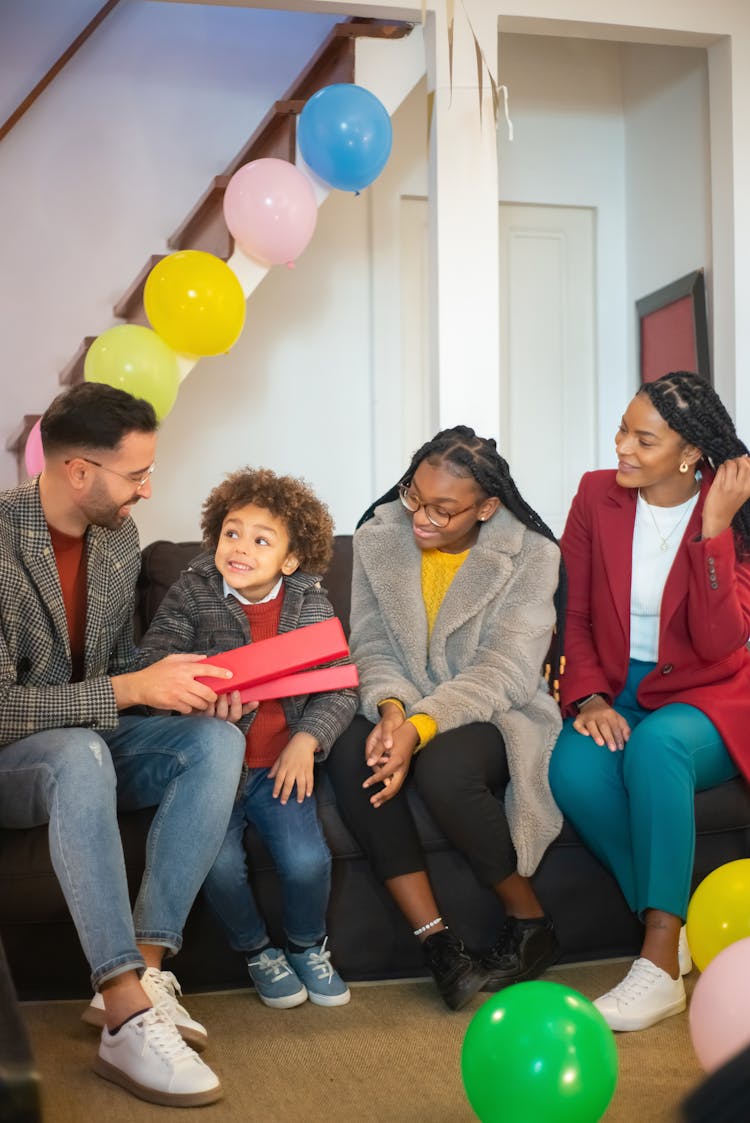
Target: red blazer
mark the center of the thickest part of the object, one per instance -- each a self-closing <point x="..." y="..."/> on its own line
<point x="704" y="627"/>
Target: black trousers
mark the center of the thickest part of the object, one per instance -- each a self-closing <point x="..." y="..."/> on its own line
<point x="457" y="775"/>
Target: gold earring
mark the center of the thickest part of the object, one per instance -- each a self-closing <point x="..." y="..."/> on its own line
<point x="684" y="467"/>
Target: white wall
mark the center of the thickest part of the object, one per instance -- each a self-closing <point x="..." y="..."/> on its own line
<point x="667" y="150"/>
<point x="33" y="35"/>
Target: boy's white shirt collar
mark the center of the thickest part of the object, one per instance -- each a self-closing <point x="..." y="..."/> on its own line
<point x="229" y="592"/>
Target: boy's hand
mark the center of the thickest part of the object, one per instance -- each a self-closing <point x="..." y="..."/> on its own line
<point x="294" y="765"/>
<point x="169" y="684"/>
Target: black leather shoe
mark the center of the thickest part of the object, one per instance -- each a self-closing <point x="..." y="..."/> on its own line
<point x="459" y="976"/>
<point x="524" y="950"/>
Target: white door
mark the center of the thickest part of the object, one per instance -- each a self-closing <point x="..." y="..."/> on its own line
<point x="547" y="375"/>
<point x="547" y="348"/>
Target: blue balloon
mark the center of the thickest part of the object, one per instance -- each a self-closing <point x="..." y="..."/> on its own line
<point x="345" y="136"/>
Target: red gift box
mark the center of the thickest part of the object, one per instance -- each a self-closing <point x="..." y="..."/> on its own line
<point x="281" y="655"/>
<point x="306" y="682"/>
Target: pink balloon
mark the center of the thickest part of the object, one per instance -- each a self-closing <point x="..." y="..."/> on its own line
<point x="33" y="453"/>
<point x="270" y="210"/>
<point x="720" y="1007"/>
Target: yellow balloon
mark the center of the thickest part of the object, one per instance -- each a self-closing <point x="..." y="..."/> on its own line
<point x="719" y="911"/>
<point x="195" y="302"/>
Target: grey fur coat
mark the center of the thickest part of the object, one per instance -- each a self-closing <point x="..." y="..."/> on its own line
<point x="484" y="658"/>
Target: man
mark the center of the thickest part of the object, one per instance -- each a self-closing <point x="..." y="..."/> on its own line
<point x="70" y="753"/>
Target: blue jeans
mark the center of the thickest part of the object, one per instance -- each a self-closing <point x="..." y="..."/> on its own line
<point x="75" y="780"/>
<point x="293" y="835"/>
<point x="635" y="808"/>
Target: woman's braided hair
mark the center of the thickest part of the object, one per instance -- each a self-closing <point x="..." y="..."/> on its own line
<point x="690" y="405"/>
<point x="466" y="454"/>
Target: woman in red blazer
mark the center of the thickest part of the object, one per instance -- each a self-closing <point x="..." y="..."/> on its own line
<point x="656" y="689"/>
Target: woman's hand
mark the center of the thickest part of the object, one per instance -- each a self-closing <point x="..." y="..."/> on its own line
<point x="380" y="741"/>
<point x="598" y="720"/>
<point x="392" y="771"/>
<point x="294" y="765"/>
<point x="729" y="490"/>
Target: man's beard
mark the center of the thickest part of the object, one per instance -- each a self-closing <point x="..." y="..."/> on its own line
<point x="100" y="509"/>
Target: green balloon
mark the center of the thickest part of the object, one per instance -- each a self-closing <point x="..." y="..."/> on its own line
<point x="539" y="1053"/>
<point x="136" y="359"/>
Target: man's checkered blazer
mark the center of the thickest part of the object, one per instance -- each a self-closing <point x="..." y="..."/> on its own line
<point x="35" y="688"/>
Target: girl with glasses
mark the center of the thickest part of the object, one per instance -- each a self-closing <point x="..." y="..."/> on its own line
<point x="453" y="610"/>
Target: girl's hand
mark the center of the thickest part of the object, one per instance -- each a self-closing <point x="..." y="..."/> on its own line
<point x="294" y="765"/>
<point x="392" y="771"/>
<point x="598" y="720"/>
<point x="729" y="490"/>
<point x="380" y="741"/>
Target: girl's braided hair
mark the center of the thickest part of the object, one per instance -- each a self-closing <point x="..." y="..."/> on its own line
<point x="466" y="454"/>
<point x="692" y="408"/>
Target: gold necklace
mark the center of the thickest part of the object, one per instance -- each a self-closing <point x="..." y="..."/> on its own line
<point x="665" y="541"/>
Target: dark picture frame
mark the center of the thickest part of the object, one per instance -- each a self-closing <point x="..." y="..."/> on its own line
<point x="673" y="329"/>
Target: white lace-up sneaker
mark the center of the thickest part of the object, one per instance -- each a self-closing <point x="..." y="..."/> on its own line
<point x="148" y="1057"/>
<point x="163" y="990"/>
<point x="645" y="996"/>
<point x="683" y="953"/>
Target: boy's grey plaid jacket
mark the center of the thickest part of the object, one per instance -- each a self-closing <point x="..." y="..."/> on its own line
<point x="35" y="688"/>
<point x="196" y="616"/>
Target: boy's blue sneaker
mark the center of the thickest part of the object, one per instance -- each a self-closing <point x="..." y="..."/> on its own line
<point x="325" y="987"/>
<point x="276" y="982"/>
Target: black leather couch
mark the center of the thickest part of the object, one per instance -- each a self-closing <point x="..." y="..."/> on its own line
<point x="368" y="936"/>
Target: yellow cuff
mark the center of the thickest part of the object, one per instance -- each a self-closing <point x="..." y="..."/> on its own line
<point x="425" y="726"/>
<point x="396" y="702"/>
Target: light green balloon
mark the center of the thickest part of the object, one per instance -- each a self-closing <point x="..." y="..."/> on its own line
<point x="136" y="359"/>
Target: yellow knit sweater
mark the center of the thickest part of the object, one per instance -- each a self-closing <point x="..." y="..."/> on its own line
<point x="438" y="571"/>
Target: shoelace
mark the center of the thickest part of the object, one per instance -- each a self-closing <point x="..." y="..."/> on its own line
<point x="167" y="991"/>
<point x="276" y="966"/>
<point x="162" y="1036"/>
<point x="320" y="962"/>
<point x="638" y="979"/>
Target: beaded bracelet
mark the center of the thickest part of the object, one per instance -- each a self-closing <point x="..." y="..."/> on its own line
<point x="426" y="927"/>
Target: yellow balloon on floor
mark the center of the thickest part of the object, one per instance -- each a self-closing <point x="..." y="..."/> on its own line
<point x="719" y="911"/>
<point x="195" y="302"/>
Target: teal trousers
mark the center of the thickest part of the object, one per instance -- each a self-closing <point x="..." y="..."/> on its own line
<point x="635" y="808"/>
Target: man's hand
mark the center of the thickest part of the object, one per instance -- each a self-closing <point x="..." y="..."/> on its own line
<point x="170" y="684"/>
<point x="294" y="765"/>
<point x="228" y="707"/>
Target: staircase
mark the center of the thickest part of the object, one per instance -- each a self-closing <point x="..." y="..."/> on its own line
<point x="353" y="47"/>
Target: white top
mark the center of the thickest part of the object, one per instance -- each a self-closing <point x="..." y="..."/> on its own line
<point x="656" y="539"/>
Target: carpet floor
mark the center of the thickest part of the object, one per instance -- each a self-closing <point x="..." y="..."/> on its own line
<point x="390" y="1056"/>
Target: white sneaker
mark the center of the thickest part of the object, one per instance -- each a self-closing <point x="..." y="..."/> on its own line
<point x="645" y="996"/>
<point x="148" y="1057"/>
<point x="163" y="990"/>
<point x="683" y="953"/>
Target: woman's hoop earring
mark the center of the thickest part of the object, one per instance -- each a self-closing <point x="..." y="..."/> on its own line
<point x="684" y="467"/>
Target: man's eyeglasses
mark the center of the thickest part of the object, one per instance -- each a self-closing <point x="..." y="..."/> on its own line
<point x="438" y="516"/>
<point x="138" y="484"/>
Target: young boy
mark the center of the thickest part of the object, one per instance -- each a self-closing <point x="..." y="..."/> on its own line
<point x="266" y="536"/>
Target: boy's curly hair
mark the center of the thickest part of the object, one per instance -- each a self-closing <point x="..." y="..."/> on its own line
<point x="307" y="520"/>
